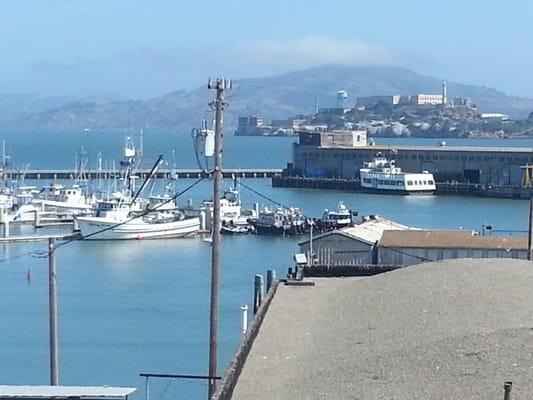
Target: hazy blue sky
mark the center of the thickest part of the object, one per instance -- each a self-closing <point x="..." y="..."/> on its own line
<point x="134" y="48"/>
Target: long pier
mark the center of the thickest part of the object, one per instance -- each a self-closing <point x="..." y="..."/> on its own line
<point x="37" y="174"/>
<point x="443" y="188"/>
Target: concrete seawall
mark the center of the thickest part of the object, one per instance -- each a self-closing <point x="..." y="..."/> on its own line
<point x="231" y="376"/>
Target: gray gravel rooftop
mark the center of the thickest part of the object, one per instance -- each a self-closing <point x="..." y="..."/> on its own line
<point x="452" y="329"/>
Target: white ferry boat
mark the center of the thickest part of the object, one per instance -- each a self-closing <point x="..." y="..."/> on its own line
<point x="382" y="175"/>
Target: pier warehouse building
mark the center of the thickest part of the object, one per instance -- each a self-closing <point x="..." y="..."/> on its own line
<point x="340" y="154"/>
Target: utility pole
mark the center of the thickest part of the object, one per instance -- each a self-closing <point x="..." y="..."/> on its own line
<point x="52" y="303"/>
<point x="220" y="85"/>
<point x="530" y="231"/>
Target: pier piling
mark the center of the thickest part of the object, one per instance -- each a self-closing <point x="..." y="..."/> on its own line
<point x="507" y="386"/>
<point x="52" y="298"/>
<point x="271" y="277"/>
<point x="258" y="292"/>
<point x="37" y="219"/>
<point x="4" y="220"/>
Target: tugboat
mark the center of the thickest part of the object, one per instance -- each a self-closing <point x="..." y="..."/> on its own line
<point x="280" y="222"/>
<point x="336" y="219"/>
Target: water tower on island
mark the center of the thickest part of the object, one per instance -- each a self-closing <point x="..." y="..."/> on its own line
<point x="341" y="96"/>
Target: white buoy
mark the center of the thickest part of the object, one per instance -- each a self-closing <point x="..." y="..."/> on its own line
<point x="244" y="309"/>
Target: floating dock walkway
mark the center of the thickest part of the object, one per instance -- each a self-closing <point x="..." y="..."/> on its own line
<point x="161" y="174"/>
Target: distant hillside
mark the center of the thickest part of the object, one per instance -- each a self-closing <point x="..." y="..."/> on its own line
<point x="273" y="97"/>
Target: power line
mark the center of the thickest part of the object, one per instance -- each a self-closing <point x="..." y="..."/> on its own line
<point x="44" y="254"/>
<point x="140" y="215"/>
<point x="267" y="197"/>
<point x="33" y="253"/>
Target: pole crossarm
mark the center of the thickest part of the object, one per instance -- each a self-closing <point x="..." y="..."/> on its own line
<point x="177" y="376"/>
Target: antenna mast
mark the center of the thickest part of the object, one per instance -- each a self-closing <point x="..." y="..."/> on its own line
<point x="220" y="85"/>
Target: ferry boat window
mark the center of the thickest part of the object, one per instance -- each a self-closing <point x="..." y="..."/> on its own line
<point x="435" y="157"/>
<point x="421" y="157"/>
<point x="399" y="183"/>
<point x="409" y="183"/>
<point x="380" y="182"/>
<point x="425" y="182"/>
<point x="430" y="182"/>
<point x="413" y="157"/>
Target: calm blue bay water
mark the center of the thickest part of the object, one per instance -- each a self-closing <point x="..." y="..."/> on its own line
<point x="143" y="306"/>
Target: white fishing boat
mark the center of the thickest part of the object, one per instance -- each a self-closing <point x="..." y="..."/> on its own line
<point x="281" y="221"/>
<point x="382" y="175"/>
<point x="57" y="197"/>
<point x="125" y="216"/>
<point x="23" y="209"/>
<point x="118" y="219"/>
<point x="234" y="218"/>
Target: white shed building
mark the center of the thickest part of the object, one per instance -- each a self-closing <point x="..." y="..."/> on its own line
<point x="349" y="246"/>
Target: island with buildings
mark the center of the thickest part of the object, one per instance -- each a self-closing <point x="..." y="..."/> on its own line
<point x="416" y="115"/>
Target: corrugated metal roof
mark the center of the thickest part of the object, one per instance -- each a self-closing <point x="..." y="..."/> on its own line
<point x="63" y="392"/>
<point x="450" y="239"/>
<point x="368" y="231"/>
<point x="371" y="230"/>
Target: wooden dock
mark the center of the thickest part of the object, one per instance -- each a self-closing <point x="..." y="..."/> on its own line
<point x="37" y="174"/>
<point x="36" y="238"/>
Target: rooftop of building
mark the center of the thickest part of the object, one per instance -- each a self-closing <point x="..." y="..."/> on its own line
<point x="64" y="392"/>
<point x="369" y="230"/>
<point x="436" y="148"/>
<point x="456" y="239"/>
<point x="443" y="330"/>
